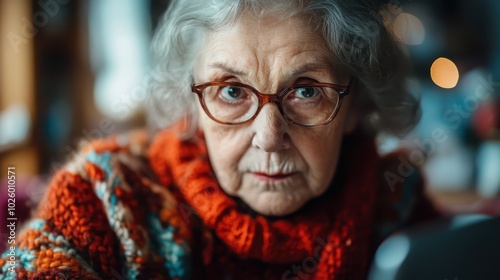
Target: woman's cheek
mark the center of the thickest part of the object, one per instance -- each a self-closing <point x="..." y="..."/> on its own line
<point x="225" y="157"/>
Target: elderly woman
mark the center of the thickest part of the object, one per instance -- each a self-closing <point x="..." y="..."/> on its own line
<point x="265" y="167"/>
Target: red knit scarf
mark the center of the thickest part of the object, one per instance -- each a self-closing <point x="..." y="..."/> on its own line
<point x="328" y="238"/>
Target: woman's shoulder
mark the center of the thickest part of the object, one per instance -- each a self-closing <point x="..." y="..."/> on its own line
<point x="104" y="214"/>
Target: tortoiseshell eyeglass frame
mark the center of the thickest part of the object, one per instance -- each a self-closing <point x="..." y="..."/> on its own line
<point x="272" y="98"/>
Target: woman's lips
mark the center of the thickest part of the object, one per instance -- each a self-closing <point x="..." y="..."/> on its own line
<point x="272" y="177"/>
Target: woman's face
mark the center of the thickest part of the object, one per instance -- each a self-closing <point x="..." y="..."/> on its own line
<point x="273" y="166"/>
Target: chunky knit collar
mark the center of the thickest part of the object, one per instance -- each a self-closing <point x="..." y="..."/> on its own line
<point x="326" y="239"/>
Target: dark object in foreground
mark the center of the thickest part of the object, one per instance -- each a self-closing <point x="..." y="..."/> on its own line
<point x="465" y="247"/>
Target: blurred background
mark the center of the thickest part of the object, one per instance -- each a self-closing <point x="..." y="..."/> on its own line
<point x="78" y="70"/>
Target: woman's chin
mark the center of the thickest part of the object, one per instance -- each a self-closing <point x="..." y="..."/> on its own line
<point x="275" y="203"/>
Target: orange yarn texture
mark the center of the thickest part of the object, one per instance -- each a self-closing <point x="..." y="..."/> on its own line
<point x="328" y="239"/>
<point x="126" y="211"/>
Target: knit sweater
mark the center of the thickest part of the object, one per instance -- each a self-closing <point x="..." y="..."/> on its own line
<point x="124" y="209"/>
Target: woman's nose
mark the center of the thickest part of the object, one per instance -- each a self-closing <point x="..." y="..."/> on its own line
<point x="270" y="129"/>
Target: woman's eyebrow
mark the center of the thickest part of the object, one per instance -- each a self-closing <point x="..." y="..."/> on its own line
<point x="309" y="67"/>
<point x="227" y="68"/>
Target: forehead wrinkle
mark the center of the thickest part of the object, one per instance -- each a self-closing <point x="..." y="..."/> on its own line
<point x="308" y="67"/>
<point x="268" y="64"/>
<point x="227" y="68"/>
<point x="307" y="58"/>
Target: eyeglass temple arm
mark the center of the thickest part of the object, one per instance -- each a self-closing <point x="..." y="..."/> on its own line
<point x="347" y="88"/>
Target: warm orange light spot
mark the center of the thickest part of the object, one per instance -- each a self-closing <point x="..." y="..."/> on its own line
<point x="444" y="73"/>
<point x="409" y="29"/>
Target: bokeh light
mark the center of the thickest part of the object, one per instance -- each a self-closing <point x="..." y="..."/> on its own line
<point x="444" y="73"/>
<point x="409" y="29"/>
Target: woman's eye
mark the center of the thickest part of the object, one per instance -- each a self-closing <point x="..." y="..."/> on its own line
<point x="306" y="92"/>
<point x="231" y="93"/>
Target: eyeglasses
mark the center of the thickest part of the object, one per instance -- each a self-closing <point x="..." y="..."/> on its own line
<point x="309" y="105"/>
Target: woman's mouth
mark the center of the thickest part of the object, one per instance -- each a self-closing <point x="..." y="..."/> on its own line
<point x="275" y="177"/>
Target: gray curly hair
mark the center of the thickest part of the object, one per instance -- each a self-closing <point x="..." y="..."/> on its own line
<point x="353" y="29"/>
